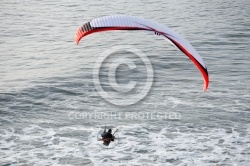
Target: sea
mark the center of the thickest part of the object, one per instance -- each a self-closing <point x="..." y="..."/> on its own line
<point x="56" y="97"/>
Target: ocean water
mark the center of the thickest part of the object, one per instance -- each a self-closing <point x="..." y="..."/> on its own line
<point x="51" y="112"/>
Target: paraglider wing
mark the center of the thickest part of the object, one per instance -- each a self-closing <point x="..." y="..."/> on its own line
<point x="124" y="22"/>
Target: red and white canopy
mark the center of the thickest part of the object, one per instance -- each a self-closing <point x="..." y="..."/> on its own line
<point x="124" y="22"/>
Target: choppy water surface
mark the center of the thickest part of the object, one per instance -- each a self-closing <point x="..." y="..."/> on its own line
<point x="45" y="80"/>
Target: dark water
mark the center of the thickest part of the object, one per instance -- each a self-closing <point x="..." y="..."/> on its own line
<point x="46" y="85"/>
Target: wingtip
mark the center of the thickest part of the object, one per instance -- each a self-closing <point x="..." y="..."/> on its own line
<point x="205" y="87"/>
<point x="78" y="36"/>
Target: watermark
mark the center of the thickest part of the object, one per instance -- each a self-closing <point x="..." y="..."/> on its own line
<point x="124" y="115"/>
<point x="122" y="94"/>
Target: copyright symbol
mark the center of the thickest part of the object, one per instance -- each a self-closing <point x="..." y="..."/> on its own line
<point x="122" y="86"/>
